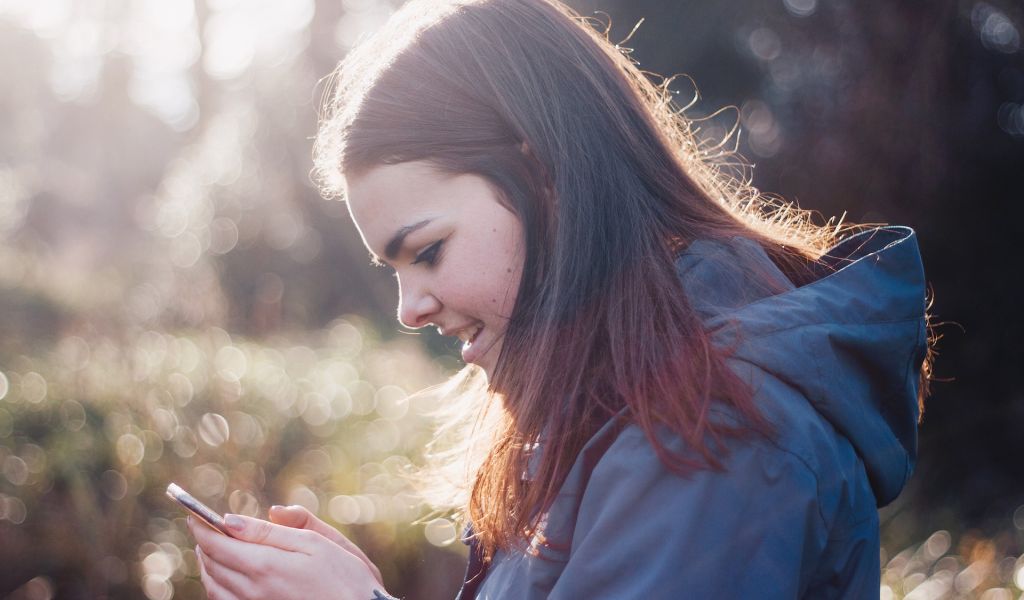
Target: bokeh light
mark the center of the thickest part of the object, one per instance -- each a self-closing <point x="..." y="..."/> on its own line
<point x="440" y="532"/>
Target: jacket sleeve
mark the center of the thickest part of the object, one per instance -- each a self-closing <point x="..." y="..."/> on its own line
<point x="751" y="531"/>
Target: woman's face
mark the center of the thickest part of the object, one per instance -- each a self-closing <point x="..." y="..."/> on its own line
<point x="456" y="250"/>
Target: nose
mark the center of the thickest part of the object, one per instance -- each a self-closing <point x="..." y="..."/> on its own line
<point x="416" y="305"/>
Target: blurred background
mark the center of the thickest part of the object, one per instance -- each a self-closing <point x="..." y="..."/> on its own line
<point x="178" y="303"/>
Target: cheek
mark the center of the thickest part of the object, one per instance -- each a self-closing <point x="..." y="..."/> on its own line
<point x="507" y="269"/>
<point x="485" y="270"/>
<point x="486" y="289"/>
<point x="486" y="281"/>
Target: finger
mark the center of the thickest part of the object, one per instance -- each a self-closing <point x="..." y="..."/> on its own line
<point x="289" y="516"/>
<point x="265" y="533"/>
<point x="207" y="537"/>
<point x="202" y="532"/>
<point x="301" y="517"/>
<point x="241" y="556"/>
<point x="214" y="590"/>
<point x="239" y="584"/>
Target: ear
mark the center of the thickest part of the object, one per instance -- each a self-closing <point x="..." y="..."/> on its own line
<point x="548" y="184"/>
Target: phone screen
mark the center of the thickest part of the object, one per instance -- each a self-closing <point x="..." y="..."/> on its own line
<point x="197" y="508"/>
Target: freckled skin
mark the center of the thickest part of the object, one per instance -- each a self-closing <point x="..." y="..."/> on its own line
<point x="478" y="265"/>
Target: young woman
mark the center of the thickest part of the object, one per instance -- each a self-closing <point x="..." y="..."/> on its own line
<point x="688" y="391"/>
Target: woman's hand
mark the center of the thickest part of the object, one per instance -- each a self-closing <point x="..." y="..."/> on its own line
<point x="295" y="556"/>
<point x="299" y="517"/>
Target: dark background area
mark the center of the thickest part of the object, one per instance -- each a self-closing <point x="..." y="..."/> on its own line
<point x="905" y="113"/>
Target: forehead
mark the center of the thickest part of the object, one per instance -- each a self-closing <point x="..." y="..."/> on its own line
<point x="386" y="198"/>
<point x="393" y="192"/>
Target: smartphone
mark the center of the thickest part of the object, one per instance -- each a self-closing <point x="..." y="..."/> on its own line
<point x="201" y="511"/>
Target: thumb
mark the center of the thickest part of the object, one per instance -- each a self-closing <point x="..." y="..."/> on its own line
<point x="258" y="531"/>
<point x="289" y="516"/>
<point x="299" y="517"/>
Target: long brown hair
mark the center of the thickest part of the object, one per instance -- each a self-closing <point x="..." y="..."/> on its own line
<point x="610" y="184"/>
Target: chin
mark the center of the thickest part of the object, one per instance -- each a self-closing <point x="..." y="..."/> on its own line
<point x="487" y="368"/>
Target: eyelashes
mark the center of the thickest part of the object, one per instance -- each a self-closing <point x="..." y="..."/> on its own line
<point x="430" y="255"/>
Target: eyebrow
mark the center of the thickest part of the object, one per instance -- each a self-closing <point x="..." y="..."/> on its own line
<point x="396" y="241"/>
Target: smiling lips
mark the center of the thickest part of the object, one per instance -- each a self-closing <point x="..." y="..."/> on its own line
<point x="468" y="335"/>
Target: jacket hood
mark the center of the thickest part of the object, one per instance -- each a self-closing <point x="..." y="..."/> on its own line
<point x="852" y="341"/>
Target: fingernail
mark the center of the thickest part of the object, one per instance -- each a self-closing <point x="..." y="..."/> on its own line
<point x="234" y="523"/>
<point x="277" y="507"/>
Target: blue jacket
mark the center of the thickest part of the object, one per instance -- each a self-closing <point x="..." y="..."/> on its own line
<point x="834" y="365"/>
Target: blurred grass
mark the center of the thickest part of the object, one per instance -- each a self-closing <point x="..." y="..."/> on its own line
<point x="92" y="430"/>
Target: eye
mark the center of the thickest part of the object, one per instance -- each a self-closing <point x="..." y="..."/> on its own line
<point x="430" y="255"/>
